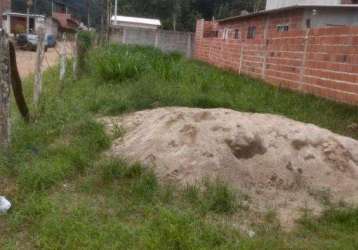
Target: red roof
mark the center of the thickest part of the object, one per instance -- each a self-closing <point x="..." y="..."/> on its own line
<point x="65" y="20"/>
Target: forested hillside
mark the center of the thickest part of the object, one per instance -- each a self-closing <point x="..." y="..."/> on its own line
<point x="174" y="14"/>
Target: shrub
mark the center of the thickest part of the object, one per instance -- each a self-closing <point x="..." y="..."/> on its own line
<point x="219" y="198"/>
<point x="85" y="43"/>
<point x="113" y="64"/>
<point x="146" y="186"/>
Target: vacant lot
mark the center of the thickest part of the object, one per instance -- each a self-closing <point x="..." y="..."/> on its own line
<point x="66" y="195"/>
<point x="27" y="59"/>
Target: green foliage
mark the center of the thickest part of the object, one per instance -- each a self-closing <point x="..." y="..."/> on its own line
<point x="116" y="64"/>
<point x="85" y="42"/>
<point x="158" y="79"/>
<point x="175" y="229"/>
<point x="115" y="169"/>
<point x="219" y="198"/>
<point x="86" y="39"/>
<point x="214" y="196"/>
<point x="146" y="186"/>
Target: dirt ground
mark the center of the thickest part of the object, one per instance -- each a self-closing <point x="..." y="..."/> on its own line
<point x="282" y="165"/>
<point x="26" y="59"/>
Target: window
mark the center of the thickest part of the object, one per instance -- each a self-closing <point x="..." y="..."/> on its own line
<point x="211" y="34"/>
<point x="308" y="23"/>
<point x="251" y="32"/>
<point x="226" y="33"/>
<point x="237" y="34"/>
<point x="282" y="27"/>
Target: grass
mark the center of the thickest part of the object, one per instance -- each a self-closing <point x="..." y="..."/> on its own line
<point x="66" y="196"/>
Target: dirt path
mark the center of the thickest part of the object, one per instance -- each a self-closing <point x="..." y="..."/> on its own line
<point x="26" y="59"/>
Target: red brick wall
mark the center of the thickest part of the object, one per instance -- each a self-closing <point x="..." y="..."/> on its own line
<point x="349" y="2"/>
<point x="323" y="62"/>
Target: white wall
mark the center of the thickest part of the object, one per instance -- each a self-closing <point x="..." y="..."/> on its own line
<point x="134" y="25"/>
<point x="274" y="4"/>
<point x="332" y="17"/>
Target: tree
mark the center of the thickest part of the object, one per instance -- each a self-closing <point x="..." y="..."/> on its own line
<point x="174" y="14"/>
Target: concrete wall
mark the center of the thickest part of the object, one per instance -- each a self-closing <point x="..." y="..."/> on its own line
<point x="332" y="17"/>
<point x="319" y="61"/>
<point x="166" y="40"/>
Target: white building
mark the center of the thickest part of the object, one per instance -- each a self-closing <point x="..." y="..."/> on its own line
<point x="15" y="23"/>
<point x="135" y="22"/>
<point x="275" y="4"/>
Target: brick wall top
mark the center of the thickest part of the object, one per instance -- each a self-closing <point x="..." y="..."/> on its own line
<point x="322" y="61"/>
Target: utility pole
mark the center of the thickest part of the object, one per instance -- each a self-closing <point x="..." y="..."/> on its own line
<point x="116" y="8"/>
<point x="29" y="5"/>
<point x="88" y="13"/>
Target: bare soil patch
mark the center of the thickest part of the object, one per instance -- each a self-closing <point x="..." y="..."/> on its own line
<point x="26" y="60"/>
<point x="281" y="164"/>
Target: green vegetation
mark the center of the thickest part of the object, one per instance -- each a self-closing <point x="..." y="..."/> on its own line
<point x="66" y="196"/>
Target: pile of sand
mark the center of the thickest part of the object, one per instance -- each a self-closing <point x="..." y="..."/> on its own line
<point x="281" y="164"/>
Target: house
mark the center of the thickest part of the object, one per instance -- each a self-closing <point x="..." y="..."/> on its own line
<point x="5" y="6"/>
<point x="66" y="22"/>
<point x="135" y="22"/>
<point x="304" y="47"/>
<point x="15" y="23"/>
<point x="298" y="17"/>
<point x="275" y="4"/>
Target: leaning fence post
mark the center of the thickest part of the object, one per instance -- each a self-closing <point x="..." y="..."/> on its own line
<point x="63" y="61"/>
<point x="40" y="53"/>
<point x="241" y="58"/>
<point x="5" y="90"/>
<point x="75" y="58"/>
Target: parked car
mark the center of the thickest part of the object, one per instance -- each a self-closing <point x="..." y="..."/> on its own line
<point x="51" y="41"/>
<point x="29" y="41"/>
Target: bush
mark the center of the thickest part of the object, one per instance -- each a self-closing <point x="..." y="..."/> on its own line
<point x="214" y="197"/>
<point x="113" y="64"/>
<point x="85" y="43"/>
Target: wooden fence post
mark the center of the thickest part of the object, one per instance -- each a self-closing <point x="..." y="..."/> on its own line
<point x="241" y="58"/>
<point x="40" y="54"/>
<point x="5" y="91"/>
<point x="63" y="56"/>
<point x="265" y="48"/>
<point x="75" y="58"/>
<point x="304" y="58"/>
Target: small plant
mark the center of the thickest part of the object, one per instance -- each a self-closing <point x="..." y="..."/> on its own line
<point x="219" y="198"/>
<point x="134" y="171"/>
<point x="146" y="186"/>
<point x="117" y="131"/>
<point x="212" y="196"/>
<point x="115" y="169"/>
<point x="112" y="170"/>
<point x="192" y="193"/>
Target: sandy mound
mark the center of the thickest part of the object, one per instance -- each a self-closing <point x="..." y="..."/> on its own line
<point x="281" y="164"/>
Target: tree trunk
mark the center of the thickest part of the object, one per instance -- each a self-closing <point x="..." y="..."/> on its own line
<point x="40" y="53"/>
<point x="5" y="90"/>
